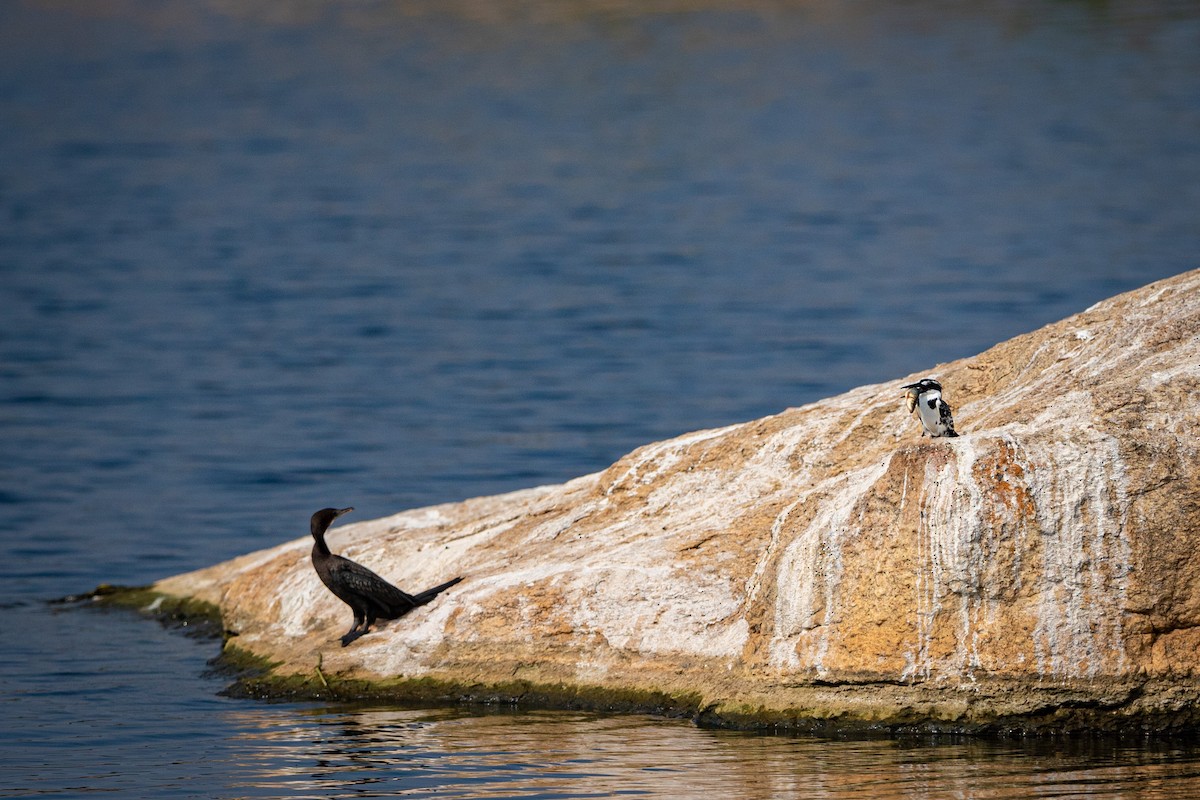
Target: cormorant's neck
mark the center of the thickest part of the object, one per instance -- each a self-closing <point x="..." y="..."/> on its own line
<point x="320" y="546"/>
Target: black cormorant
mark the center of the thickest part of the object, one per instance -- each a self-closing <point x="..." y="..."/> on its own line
<point x="367" y="594"/>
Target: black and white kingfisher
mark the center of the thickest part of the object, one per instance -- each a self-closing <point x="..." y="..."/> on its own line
<point x="926" y="397"/>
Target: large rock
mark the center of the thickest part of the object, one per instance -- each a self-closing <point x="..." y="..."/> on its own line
<point x="825" y="563"/>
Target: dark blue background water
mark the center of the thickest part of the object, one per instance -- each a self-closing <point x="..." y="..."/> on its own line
<point x="258" y="258"/>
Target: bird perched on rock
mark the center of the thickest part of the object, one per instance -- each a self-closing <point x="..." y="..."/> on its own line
<point x="925" y="396"/>
<point x="369" y="596"/>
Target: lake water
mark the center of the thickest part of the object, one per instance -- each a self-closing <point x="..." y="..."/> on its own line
<point x="258" y="258"/>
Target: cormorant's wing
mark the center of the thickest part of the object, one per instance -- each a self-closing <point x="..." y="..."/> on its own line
<point x="362" y="582"/>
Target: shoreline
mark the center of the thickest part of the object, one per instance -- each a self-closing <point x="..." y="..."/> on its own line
<point x="1068" y="709"/>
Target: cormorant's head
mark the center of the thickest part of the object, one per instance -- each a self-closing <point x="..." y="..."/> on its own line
<point x="321" y="520"/>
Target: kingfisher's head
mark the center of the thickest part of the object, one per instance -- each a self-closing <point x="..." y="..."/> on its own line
<point x="922" y="386"/>
<point x="913" y="391"/>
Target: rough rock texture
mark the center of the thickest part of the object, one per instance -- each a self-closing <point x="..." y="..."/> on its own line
<point x="828" y="562"/>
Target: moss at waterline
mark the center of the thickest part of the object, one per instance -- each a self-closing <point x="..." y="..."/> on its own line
<point x="197" y="616"/>
<point x="261" y="680"/>
<point x="265" y="683"/>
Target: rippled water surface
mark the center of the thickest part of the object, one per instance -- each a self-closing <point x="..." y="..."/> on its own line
<point x="258" y="258"/>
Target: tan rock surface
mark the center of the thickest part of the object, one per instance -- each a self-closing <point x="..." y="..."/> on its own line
<point x="828" y="561"/>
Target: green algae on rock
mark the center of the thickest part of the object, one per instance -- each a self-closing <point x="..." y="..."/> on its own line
<point x="172" y="610"/>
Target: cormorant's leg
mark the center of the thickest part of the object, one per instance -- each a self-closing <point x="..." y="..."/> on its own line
<point x="354" y="631"/>
<point x="361" y="626"/>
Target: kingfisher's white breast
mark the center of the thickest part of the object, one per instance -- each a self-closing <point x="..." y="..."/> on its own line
<point x="930" y="417"/>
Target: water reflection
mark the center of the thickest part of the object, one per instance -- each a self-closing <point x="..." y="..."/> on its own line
<point x="340" y="753"/>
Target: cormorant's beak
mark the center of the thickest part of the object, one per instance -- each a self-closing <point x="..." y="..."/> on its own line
<point x="341" y="511"/>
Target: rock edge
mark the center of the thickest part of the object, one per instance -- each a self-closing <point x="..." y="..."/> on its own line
<point x="821" y="567"/>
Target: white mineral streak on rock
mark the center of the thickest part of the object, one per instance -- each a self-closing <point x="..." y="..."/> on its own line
<point x="1085" y="556"/>
<point x="952" y="554"/>
<point x="297" y="606"/>
<point x="655" y="459"/>
<point x="809" y="573"/>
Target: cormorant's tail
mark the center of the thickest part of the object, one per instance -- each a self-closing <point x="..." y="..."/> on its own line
<point x="427" y="595"/>
<point x="399" y="603"/>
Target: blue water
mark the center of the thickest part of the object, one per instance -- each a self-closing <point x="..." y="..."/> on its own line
<point x="261" y="258"/>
